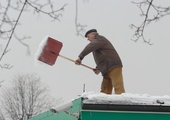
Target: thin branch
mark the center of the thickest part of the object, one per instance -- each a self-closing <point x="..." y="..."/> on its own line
<point x="24" y="44"/>
<point x="6" y="66"/>
<point x="10" y="37"/>
<point x="139" y="32"/>
<point x="7" y="26"/>
<point x="26" y="97"/>
<point x="79" y="27"/>
<point x="160" y="13"/>
<point x="1" y="86"/>
<point x="52" y="14"/>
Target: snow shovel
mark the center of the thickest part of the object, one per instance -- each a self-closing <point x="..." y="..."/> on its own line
<point x="49" y="51"/>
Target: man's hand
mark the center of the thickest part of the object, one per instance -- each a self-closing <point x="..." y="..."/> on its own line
<point x="96" y="71"/>
<point x="78" y="61"/>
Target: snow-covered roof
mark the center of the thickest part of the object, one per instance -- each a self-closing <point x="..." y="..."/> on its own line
<point x="125" y="99"/>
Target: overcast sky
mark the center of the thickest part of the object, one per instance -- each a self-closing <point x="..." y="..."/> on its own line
<point x="146" y="69"/>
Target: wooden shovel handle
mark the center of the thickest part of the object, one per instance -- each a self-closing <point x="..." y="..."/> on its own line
<point x="75" y="61"/>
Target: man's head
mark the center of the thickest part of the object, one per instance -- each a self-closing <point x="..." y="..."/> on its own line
<point x="91" y="34"/>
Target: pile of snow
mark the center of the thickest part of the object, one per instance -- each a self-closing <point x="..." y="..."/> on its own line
<point x="125" y="98"/>
<point x="41" y="46"/>
<point x="40" y="50"/>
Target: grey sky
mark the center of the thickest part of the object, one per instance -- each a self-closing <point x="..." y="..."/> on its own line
<point x="146" y="68"/>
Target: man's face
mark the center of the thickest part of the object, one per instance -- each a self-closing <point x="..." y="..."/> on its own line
<point x="90" y="36"/>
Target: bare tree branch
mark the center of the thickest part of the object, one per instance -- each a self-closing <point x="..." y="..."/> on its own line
<point x="27" y="97"/>
<point x="160" y="12"/>
<point x="3" y="53"/>
<point x="2" y="117"/>
<point x="79" y="27"/>
<point x="52" y="13"/>
<point x="1" y="84"/>
<point x="5" y="66"/>
<point x="8" y="23"/>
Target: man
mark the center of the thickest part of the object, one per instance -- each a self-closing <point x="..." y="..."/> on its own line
<point x="107" y="60"/>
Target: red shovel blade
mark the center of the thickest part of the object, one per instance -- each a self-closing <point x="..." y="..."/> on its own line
<point x="50" y="51"/>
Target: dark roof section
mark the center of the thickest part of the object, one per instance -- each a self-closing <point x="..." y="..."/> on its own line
<point x="117" y="107"/>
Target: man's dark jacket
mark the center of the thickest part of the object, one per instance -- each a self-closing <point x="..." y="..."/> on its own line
<point x="105" y="55"/>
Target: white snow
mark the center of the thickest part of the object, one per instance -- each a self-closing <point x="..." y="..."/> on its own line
<point x="125" y="98"/>
<point x="63" y="107"/>
<point x="40" y="49"/>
